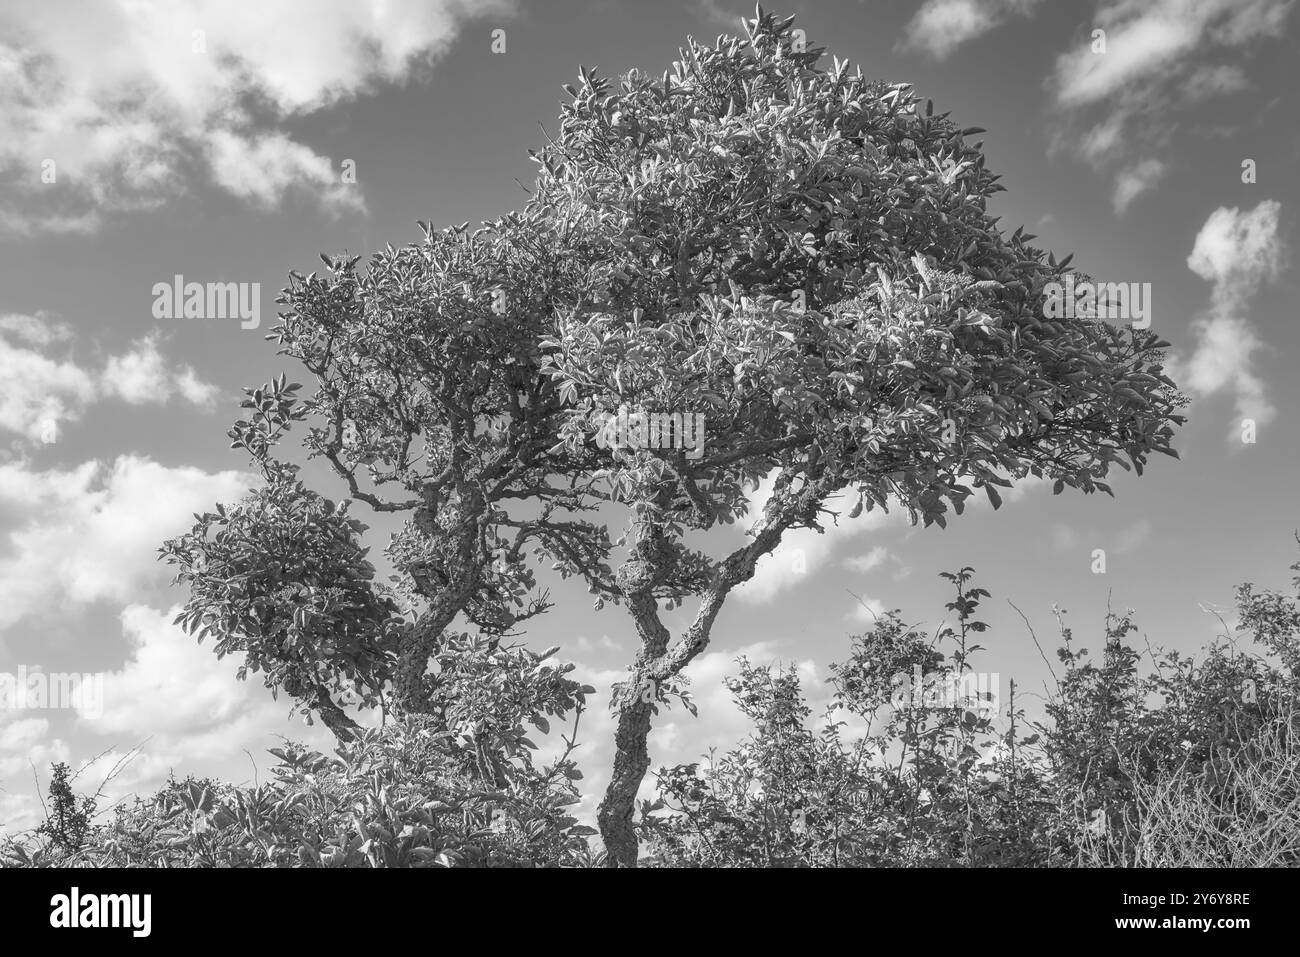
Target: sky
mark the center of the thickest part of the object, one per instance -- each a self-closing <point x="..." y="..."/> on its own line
<point x="233" y="142"/>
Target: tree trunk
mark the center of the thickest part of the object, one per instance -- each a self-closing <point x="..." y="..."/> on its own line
<point x="647" y="567"/>
<point x="631" y="761"/>
<point x="644" y="570"/>
<point x="447" y="598"/>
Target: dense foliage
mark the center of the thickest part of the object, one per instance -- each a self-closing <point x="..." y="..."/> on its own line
<point x="455" y="787"/>
<point x="391" y="798"/>
<point x="1136" y="759"/>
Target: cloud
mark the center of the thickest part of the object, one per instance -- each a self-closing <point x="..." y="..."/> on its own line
<point x="865" y="563"/>
<point x="1209" y="81"/>
<point x="22" y="734"/>
<point x="940" y="26"/>
<point x="587" y="645"/>
<point x="140" y="375"/>
<point x="1238" y="252"/>
<point x="172" y="698"/>
<point x="173" y="690"/>
<point x="143" y="98"/>
<point x="1149" y="43"/>
<point x="40" y="390"/>
<point x="1065" y="538"/>
<point x="261" y="170"/>
<point x="1133" y="536"/>
<point x="1117" y="105"/>
<point x="868" y="610"/>
<point x="713" y="12"/>
<point x="45" y="387"/>
<point x="1135" y="180"/>
<point x="804" y="551"/>
<point x="38" y="330"/>
<point x="25" y="742"/>
<point x="91" y="533"/>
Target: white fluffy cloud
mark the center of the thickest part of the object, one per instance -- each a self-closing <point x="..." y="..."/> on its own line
<point x="868" y="610"/>
<point x="40" y="390"/>
<point x="1135" y="180"/>
<point x="25" y="742"/>
<point x="1121" y="105"/>
<point x="940" y="26"/>
<point x="87" y="537"/>
<point x="1238" y="251"/>
<point x="172" y="705"/>
<point x="263" y="168"/>
<point x="178" y="694"/>
<point x="91" y="533"/>
<point x="1148" y="42"/>
<point x="803" y="551"/>
<point x="40" y="330"/>
<point x="140" y="375"/>
<point x="141" y="94"/>
<point x="45" y="387"/>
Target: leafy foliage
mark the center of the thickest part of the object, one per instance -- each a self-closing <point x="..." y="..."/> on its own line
<point x="1189" y="762"/>
<point x="68" y="817"/>
<point x="396" y="797"/>
<point x="806" y="257"/>
<point x="282" y="579"/>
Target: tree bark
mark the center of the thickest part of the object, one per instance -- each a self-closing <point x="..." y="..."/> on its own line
<point x="635" y="705"/>
<point x="334" y="717"/>
<point x="631" y="761"/>
<point x="446" y="600"/>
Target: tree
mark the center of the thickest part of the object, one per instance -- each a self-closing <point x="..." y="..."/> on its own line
<point x="806" y="257"/>
<point x="425" y="406"/>
<point x="799" y="254"/>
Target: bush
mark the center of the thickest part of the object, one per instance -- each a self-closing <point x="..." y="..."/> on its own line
<point x="1141" y="760"/>
<point x="396" y="797"/>
<point x="1183" y="763"/>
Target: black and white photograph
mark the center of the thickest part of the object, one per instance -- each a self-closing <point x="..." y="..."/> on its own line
<point x="831" y="435"/>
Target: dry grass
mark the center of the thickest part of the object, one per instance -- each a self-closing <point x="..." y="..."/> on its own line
<point x="1240" y="810"/>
